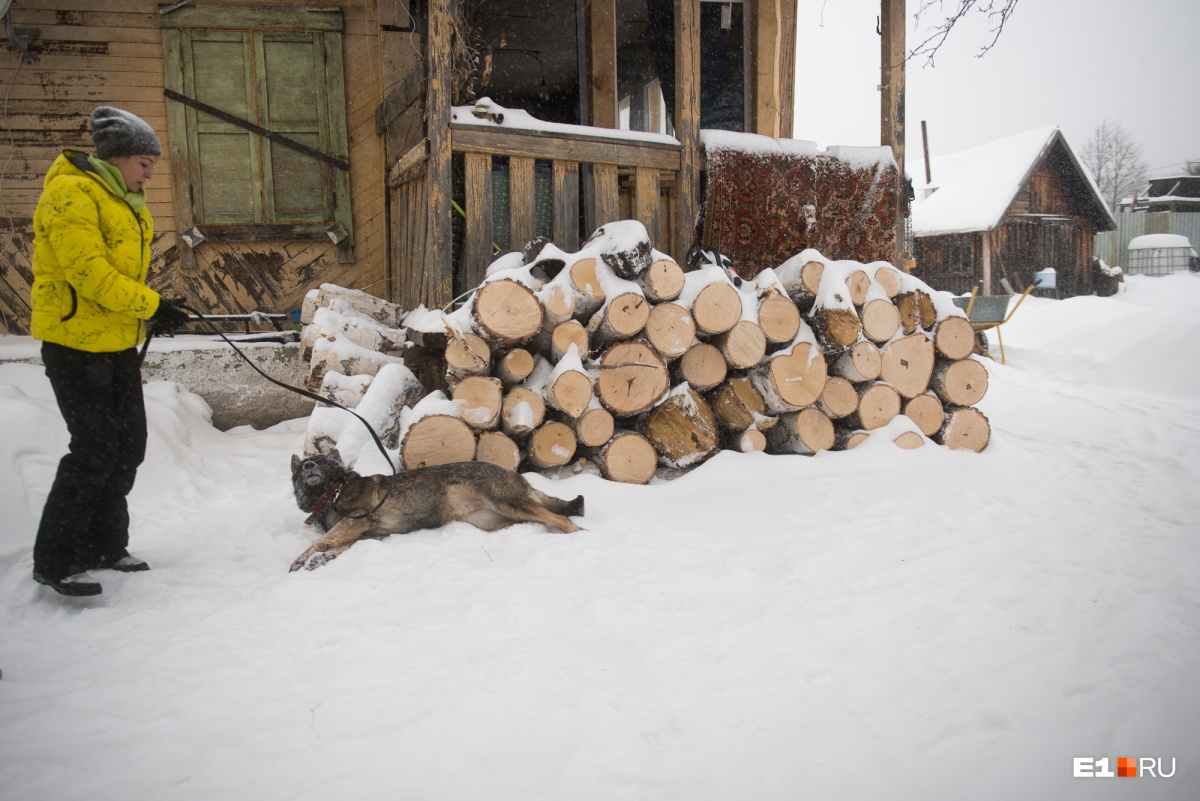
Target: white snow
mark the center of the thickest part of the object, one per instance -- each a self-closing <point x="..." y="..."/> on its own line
<point x="874" y="624"/>
<point x="1155" y="241"/>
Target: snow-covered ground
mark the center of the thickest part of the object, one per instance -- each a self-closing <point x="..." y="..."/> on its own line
<point x="876" y="624"/>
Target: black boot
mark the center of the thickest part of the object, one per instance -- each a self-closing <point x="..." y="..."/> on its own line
<point x="123" y="562"/>
<point x="75" y="585"/>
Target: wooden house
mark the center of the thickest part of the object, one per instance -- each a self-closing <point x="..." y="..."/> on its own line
<point x="340" y="141"/>
<point x="1008" y="209"/>
<point x="1178" y="192"/>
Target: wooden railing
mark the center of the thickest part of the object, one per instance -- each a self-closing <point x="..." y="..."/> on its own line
<point x="620" y="178"/>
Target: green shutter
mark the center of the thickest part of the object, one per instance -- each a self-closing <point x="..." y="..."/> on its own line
<point x="292" y="102"/>
<point x="217" y="71"/>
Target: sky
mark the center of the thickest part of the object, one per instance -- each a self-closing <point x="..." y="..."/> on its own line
<point x="1070" y="63"/>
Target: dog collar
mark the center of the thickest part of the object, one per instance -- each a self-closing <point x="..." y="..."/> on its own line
<point x="330" y="495"/>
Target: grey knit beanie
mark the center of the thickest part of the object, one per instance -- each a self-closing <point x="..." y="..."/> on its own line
<point x="118" y="133"/>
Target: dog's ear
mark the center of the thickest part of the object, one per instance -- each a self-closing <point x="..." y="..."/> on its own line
<point x="295" y="462"/>
<point x="335" y="456"/>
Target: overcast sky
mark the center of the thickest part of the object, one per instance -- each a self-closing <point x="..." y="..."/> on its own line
<point x="1070" y="63"/>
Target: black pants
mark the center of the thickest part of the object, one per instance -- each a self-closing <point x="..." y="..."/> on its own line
<point x="86" y="517"/>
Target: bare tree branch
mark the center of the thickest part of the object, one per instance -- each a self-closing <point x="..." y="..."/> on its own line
<point x="997" y="12"/>
<point x="1115" y="161"/>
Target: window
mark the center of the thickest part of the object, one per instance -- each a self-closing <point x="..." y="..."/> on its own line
<point x="231" y="70"/>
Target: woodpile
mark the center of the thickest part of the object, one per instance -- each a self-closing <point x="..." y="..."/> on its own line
<point x="617" y="356"/>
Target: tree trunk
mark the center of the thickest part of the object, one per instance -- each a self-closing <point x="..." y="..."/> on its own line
<point x="806" y="431"/>
<point x="633" y="377"/>
<point x="506" y="313"/>
<point x="907" y="365"/>
<point x="791" y="379"/>
<point x="702" y="366"/>
<point x="670" y="330"/>
<point x="551" y="445"/>
<point x="960" y="383"/>
<point x="683" y="428"/>
<point x="965" y="427"/>
<point x="880" y="320"/>
<point x="436" y="439"/>
<point x="860" y="363"/>
<point x="628" y="457"/>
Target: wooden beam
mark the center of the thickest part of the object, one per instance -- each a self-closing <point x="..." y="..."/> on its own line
<point x="768" y="86"/>
<point x="604" y="63"/>
<point x="687" y="122"/>
<point x="439" y="263"/>
<point x="891" y="116"/>
<point x="477" y="249"/>
<point x="566" y="205"/>
<point x="510" y="142"/>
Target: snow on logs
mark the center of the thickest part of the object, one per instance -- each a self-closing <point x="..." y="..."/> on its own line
<point x="616" y="355"/>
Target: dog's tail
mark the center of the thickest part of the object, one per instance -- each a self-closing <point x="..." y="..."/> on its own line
<point x="575" y="507"/>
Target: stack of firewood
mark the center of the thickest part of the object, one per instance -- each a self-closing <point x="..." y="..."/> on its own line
<point x="616" y="355"/>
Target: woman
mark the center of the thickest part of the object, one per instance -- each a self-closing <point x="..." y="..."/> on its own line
<point x="91" y="305"/>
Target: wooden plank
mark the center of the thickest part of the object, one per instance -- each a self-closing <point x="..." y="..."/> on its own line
<point x="787" y="69"/>
<point x="607" y="203"/>
<point x="603" y="73"/>
<point x="477" y="250"/>
<point x="241" y="18"/>
<point x="555" y="147"/>
<point x="565" y="183"/>
<point x="766" y="73"/>
<point x="439" y="258"/>
<point x="522" y="196"/>
<point x="645" y="202"/>
<point x="892" y="77"/>
<point x="335" y="82"/>
<point x="687" y="122"/>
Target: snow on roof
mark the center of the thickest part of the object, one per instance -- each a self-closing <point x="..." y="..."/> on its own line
<point x="972" y="189"/>
<point x="1153" y="241"/>
<point x="488" y="114"/>
<point x="858" y="157"/>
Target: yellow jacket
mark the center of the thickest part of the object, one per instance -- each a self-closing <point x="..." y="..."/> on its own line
<point x="91" y="251"/>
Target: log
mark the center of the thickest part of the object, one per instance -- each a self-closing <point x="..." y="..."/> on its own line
<point x="553" y="444"/>
<point x="663" y="281"/>
<point x="514" y="366"/>
<point x="346" y="390"/>
<point x="927" y="412"/>
<point x="506" y="313"/>
<point x="791" y="379"/>
<point x="569" y="391"/>
<point x="778" y="317"/>
<point x="860" y="363"/>
<point x="622" y="317"/>
<point x="594" y="427"/>
<point x="960" y="383"/>
<point x="839" y="398"/>
<point x="907" y="364"/>
<point x="717" y="308"/>
<point x="858" y="283"/>
<point x="888" y="277"/>
<point x="436" y="439"/>
<point x="376" y="308"/>
<point x="806" y="432"/>
<point x="878" y="405"/>
<point x="880" y="320"/>
<point x="633" y="377"/>
<point x="683" y="428"/>
<point x="481" y="398"/>
<point x="845" y="439"/>
<point x="628" y="457"/>
<point x="751" y="440"/>
<point x="965" y="428"/>
<point x="803" y="284"/>
<point x="558" y="304"/>
<point x="743" y="346"/>
<point x="954" y="337"/>
<point x="836" y="327"/>
<point x="670" y="330"/>
<point x="702" y="366"/>
<point x="916" y="310"/>
<point x="611" y="239"/>
<point x="739" y="406"/>
<point x="466" y="355"/>
<point x="563" y="336"/>
<point x="498" y="448"/>
<point x="522" y="412"/>
<point x="589" y="295"/>
<point x="909" y="440"/>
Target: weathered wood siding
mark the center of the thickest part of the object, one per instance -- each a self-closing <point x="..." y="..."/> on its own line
<point x="87" y="57"/>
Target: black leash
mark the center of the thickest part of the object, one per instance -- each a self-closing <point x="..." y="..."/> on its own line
<point x="301" y="392"/>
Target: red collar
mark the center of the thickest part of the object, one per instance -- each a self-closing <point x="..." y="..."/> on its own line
<point x="330" y="494"/>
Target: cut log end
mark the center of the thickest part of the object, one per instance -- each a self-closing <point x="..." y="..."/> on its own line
<point x="437" y="439"/>
<point x="965" y="428"/>
<point x="551" y="445"/>
<point x="717" y="309"/>
<point x="628" y="458"/>
<point x="498" y="449"/>
<point x="506" y="312"/>
<point x="633" y="377"/>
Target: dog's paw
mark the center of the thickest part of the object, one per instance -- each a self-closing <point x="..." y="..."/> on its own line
<point x="311" y="561"/>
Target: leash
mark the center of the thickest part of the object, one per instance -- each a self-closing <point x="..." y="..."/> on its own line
<point x="305" y="394"/>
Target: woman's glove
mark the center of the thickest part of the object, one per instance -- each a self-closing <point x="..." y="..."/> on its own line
<point x="168" y="317"/>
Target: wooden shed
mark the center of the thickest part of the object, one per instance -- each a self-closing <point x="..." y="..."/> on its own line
<point x="1008" y="209"/>
<point x="310" y="143"/>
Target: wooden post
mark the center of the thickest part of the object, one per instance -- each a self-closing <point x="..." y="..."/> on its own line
<point x="439" y="265"/>
<point x="925" y="148"/>
<point x="767" y="77"/>
<point x="604" y="64"/>
<point x="891" y="117"/>
<point x="687" y="122"/>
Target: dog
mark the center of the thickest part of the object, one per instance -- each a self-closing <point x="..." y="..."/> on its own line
<point x="349" y="507"/>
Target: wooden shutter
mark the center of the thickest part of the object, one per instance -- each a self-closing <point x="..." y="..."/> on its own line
<point x="225" y="159"/>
